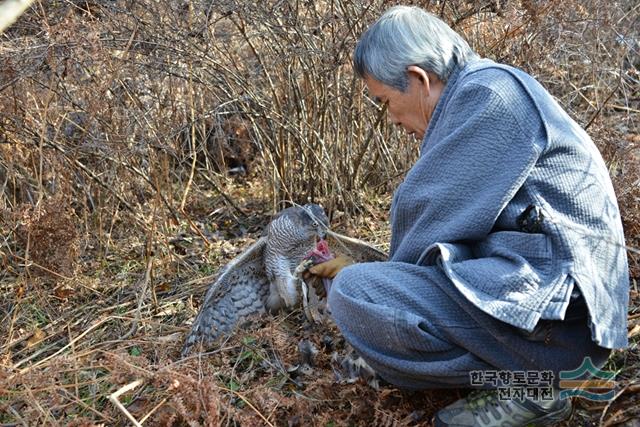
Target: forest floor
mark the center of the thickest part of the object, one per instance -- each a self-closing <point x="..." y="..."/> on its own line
<point x="144" y="144"/>
<point x="120" y="323"/>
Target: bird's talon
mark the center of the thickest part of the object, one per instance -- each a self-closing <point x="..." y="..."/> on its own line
<point x="303" y="266"/>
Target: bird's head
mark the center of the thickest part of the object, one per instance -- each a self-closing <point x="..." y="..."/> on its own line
<point x="297" y="225"/>
<point x="315" y="220"/>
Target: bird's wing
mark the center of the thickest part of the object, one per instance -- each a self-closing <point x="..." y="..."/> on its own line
<point x="358" y="250"/>
<point x="240" y="291"/>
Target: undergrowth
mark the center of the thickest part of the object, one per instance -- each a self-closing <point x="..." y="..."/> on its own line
<point x="143" y="144"/>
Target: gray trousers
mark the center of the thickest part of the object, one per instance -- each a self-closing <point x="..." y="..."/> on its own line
<point x="429" y="336"/>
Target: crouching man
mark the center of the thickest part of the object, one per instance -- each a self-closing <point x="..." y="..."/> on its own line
<point x="507" y="249"/>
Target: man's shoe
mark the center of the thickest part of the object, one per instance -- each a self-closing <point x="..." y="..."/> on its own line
<point x="485" y="409"/>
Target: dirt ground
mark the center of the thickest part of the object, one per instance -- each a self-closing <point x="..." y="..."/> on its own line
<point x="145" y="144"/>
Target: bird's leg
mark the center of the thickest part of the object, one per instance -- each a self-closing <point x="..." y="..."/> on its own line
<point x="282" y="285"/>
<point x="310" y="300"/>
<point x="303" y="266"/>
<point x="286" y="287"/>
<point x="274" y="302"/>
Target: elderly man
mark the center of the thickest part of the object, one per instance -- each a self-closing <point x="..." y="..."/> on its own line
<point x="507" y="249"/>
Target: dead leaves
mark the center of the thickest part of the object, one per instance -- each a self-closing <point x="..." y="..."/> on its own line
<point x="36" y="337"/>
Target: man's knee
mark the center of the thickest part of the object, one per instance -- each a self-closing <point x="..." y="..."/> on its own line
<point x="348" y="300"/>
<point x="348" y="284"/>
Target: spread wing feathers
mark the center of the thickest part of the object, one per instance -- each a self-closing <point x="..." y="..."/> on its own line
<point x="242" y="288"/>
<point x="358" y="250"/>
<point x="240" y="291"/>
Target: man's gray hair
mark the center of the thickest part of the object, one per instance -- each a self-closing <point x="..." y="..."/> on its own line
<point x="408" y="35"/>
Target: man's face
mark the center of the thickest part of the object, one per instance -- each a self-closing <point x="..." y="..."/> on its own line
<point x="408" y="109"/>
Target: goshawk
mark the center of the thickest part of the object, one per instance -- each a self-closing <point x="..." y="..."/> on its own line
<point x="263" y="277"/>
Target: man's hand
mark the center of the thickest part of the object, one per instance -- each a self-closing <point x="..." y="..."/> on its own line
<point x="330" y="268"/>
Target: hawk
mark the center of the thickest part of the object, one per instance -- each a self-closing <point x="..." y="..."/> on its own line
<point x="263" y="278"/>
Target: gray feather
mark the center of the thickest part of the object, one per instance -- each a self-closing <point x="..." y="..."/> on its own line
<point x="239" y="291"/>
<point x="358" y="250"/>
<point x="259" y="278"/>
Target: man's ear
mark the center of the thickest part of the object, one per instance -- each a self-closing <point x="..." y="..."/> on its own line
<point x="420" y="74"/>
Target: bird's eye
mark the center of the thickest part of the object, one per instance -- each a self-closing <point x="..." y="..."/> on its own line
<point x="315" y="224"/>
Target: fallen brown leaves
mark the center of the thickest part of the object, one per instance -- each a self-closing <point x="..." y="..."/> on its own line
<point x="49" y="237"/>
<point x="94" y="165"/>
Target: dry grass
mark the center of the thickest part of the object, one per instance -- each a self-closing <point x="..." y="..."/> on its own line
<point x="125" y="128"/>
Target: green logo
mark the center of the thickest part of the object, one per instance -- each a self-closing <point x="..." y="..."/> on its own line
<point x="587" y="381"/>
